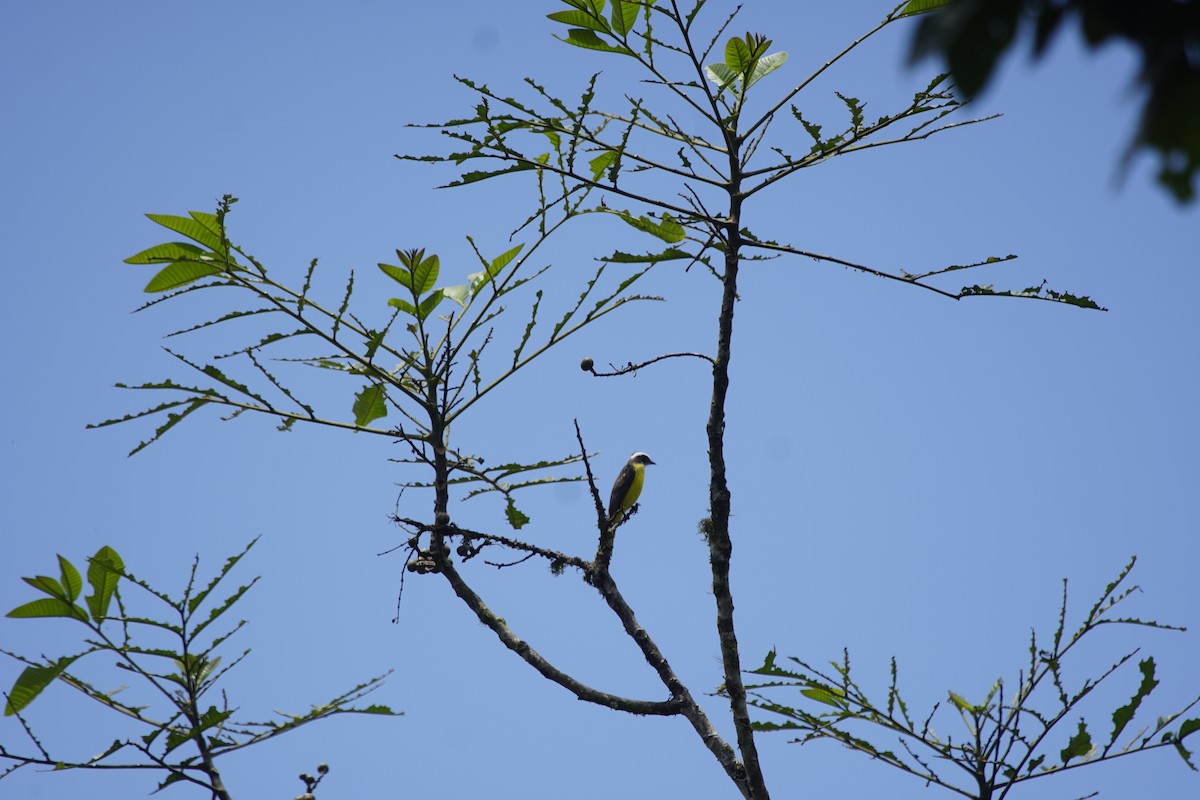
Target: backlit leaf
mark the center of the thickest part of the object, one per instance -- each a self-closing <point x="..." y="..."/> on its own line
<point x="179" y="274"/>
<point x="32" y="681"/>
<point x="369" y="405"/>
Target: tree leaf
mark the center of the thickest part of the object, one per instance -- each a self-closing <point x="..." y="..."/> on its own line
<point x="721" y="75"/>
<point x="601" y="163"/>
<point x="459" y="294"/>
<point x="1186" y="729"/>
<point x="72" y="583"/>
<point x="179" y="274"/>
<point x="1079" y="745"/>
<point x="1124" y="714"/>
<point x="403" y="305"/>
<point x="501" y="261"/>
<point x="516" y="518"/>
<point x="624" y="14"/>
<point x="191" y="228"/>
<point x="765" y="66"/>
<point x="582" y="19"/>
<point x="425" y="275"/>
<point x="369" y="405"/>
<point x="670" y="254"/>
<point x="588" y="40"/>
<point x="666" y="229"/>
<point x="168" y="251"/>
<point x="430" y="303"/>
<point x="104" y="573"/>
<point x="821" y="696"/>
<point x="32" y="681"/>
<point x="398" y="274"/>
<point x="47" y="607"/>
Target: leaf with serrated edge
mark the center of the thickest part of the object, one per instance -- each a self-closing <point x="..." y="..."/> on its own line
<point x="369" y="405"/>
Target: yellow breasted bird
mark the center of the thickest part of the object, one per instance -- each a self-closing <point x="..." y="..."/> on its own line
<point x="628" y="486"/>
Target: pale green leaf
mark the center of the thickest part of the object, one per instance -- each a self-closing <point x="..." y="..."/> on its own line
<point x="765" y="66"/>
<point x="721" y="75"/>
<point x="70" y="579"/>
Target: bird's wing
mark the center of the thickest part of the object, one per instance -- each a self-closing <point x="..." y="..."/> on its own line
<point x="620" y="488"/>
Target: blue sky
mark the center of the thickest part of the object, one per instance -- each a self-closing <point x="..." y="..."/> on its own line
<point x="911" y="476"/>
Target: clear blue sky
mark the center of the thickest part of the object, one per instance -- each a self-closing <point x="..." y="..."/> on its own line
<point x="912" y="476"/>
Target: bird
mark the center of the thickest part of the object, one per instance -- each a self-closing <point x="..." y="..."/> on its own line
<point x="628" y="485"/>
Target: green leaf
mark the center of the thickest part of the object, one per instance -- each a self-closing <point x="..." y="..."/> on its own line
<point x="1124" y="714"/>
<point x="72" y="583"/>
<point x="624" y="14"/>
<point x="1034" y="292"/>
<point x="403" y="305"/>
<point x="425" y="275"/>
<point x="369" y="405"/>
<point x="738" y="54"/>
<point x="916" y="7"/>
<point x="32" y="681"/>
<point x="856" y="110"/>
<point x="1187" y="728"/>
<point x="398" y="274"/>
<point x="209" y="221"/>
<point x="47" y="607"/>
<point x="582" y="19"/>
<point x="601" y="163"/>
<point x="169" y="251"/>
<point x="821" y="696"/>
<point x="588" y="40"/>
<point x="670" y="254"/>
<point x="501" y="261"/>
<point x="430" y="303"/>
<point x="191" y="228"/>
<point x="961" y="703"/>
<point x="179" y="274"/>
<point x="516" y="518"/>
<point x="46" y="585"/>
<point x="1079" y="746"/>
<point x="666" y="229"/>
<point x="104" y="572"/>
<point x="483" y="175"/>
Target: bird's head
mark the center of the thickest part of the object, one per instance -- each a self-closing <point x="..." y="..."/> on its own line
<point x="640" y="458"/>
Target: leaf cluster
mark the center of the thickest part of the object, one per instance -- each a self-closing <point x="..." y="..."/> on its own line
<point x="1009" y="735"/>
<point x="185" y="728"/>
<point x="424" y="367"/>
<point x="727" y="156"/>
